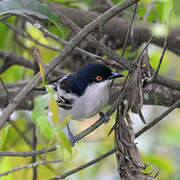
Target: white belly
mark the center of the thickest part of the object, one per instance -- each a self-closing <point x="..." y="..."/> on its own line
<point x="92" y="102"/>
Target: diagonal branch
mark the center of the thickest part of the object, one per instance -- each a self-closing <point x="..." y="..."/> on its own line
<point x="162" y="55"/>
<point x="143" y="130"/>
<point x="6" y="90"/>
<point x="130" y="29"/>
<point x="11" y="58"/>
<point x="63" y="176"/>
<point x="28" y="153"/>
<point x="125" y="64"/>
<point x="100" y="20"/>
<point x="29" y="37"/>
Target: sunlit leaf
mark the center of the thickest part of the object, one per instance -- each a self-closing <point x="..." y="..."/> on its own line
<point x="40" y="104"/>
<point x="3" y="136"/>
<point x="164" y="164"/>
<point x="65" y="142"/>
<point x="53" y="108"/>
<point x="64" y="122"/>
<point x="159" y="30"/>
<point x="39" y="116"/>
<point x="13" y="73"/>
<point x="45" y="126"/>
<point x="49" y="89"/>
<point x="29" y="7"/>
<point x="155" y="54"/>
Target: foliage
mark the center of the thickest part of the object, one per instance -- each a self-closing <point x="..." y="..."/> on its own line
<point x="163" y="142"/>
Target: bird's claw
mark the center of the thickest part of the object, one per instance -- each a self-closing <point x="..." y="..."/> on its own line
<point x="104" y="116"/>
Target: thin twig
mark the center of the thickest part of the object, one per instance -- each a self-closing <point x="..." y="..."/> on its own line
<point x="101" y="19"/>
<point x="11" y="58"/>
<point x="150" y="6"/>
<point x="37" y="57"/>
<point x="34" y="144"/>
<point x="77" y="50"/>
<point x="159" y="64"/>
<point x="38" y="62"/>
<point x="32" y="165"/>
<point x="28" y="153"/>
<point x="162" y="55"/>
<point x="145" y="48"/>
<point x="84" y="165"/>
<point x="175" y="85"/>
<point x="5" y="17"/>
<point x="147" y="127"/>
<point x="96" y="44"/>
<point x="22" y="135"/>
<point x="29" y="37"/>
<point x="130" y="29"/>
<point x="6" y="90"/>
<point x="158" y="119"/>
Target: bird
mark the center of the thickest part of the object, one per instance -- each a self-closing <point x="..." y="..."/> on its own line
<point x="84" y="93"/>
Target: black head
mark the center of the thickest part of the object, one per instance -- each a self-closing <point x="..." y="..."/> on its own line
<point x="89" y="74"/>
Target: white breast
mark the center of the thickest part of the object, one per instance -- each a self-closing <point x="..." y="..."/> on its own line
<point x="93" y="101"/>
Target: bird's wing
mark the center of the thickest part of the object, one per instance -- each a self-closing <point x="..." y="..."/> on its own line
<point x="64" y="103"/>
<point x="63" y="100"/>
<point x="55" y="83"/>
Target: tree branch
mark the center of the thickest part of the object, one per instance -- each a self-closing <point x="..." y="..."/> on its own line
<point x="11" y="58"/>
<point x="117" y="28"/>
<point x="28" y="153"/>
<point x="150" y="125"/>
<point x="29" y="37"/>
<point x="34" y="146"/>
<point x="100" y="20"/>
<point x="154" y="94"/>
<point x="63" y="176"/>
<point x="125" y="64"/>
<point x="32" y="165"/>
<point x="129" y="29"/>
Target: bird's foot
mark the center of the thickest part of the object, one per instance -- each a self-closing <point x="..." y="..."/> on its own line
<point x="104" y="116"/>
<point x="71" y="137"/>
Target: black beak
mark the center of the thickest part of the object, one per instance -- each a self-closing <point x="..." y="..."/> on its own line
<point x="116" y="75"/>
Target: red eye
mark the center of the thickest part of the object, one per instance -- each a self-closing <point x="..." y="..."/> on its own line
<point x="99" y="78"/>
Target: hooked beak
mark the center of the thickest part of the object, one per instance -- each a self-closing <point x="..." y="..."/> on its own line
<point x="116" y="75"/>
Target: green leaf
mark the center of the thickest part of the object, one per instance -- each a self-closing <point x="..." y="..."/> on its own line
<point x="40" y="104"/>
<point x="164" y="164"/>
<point x="30" y="7"/>
<point x="39" y="116"/>
<point x="3" y="136"/>
<point x="65" y="142"/>
<point x="64" y="122"/>
<point x="49" y="89"/>
<point x="53" y="108"/>
<point x="45" y="126"/>
<point x="12" y="74"/>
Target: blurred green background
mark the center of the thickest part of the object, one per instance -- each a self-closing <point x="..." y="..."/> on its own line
<point x="160" y="146"/>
